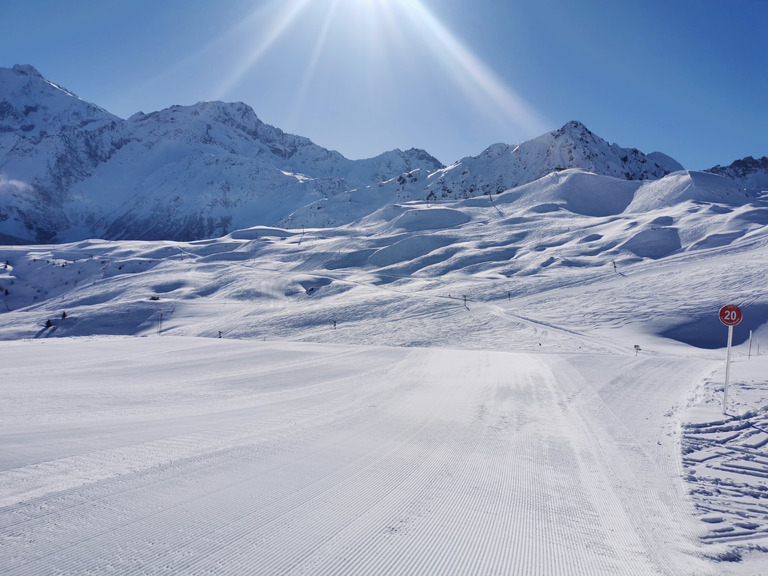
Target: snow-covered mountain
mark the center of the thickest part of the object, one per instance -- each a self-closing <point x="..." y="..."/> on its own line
<point x="70" y="170"/>
<point x="501" y="167"/>
<point x="49" y="141"/>
<point x="750" y="173"/>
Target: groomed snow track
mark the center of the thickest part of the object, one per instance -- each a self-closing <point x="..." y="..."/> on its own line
<point x="189" y="456"/>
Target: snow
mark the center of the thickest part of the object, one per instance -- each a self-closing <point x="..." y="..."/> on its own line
<point x="444" y="388"/>
<point x="171" y="454"/>
<point x="512" y="365"/>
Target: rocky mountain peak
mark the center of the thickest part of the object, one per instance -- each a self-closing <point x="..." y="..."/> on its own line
<point x="749" y="172"/>
<point x="26" y="70"/>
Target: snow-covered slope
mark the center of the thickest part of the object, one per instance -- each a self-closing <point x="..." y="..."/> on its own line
<point x="374" y="382"/>
<point x="569" y="225"/>
<point x="544" y="363"/>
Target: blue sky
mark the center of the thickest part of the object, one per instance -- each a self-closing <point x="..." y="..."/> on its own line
<point x="684" y="77"/>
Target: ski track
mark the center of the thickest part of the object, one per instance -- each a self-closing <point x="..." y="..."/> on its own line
<point x="727" y="471"/>
<point x="274" y="458"/>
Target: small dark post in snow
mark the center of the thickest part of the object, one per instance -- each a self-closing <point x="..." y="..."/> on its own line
<point x="219" y="333"/>
<point x="637" y="349"/>
<point x="334" y="324"/>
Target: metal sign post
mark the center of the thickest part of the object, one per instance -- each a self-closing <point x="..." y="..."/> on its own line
<point x="730" y="315"/>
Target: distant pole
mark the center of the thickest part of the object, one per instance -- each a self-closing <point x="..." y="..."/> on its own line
<point x="727" y="369"/>
<point x="160" y="324"/>
<point x="749" y="354"/>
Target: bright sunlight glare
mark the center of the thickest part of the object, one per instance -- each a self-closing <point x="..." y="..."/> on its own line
<point x="377" y="32"/>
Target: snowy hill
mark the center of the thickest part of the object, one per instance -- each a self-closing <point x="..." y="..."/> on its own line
<point x="570" y="224"/>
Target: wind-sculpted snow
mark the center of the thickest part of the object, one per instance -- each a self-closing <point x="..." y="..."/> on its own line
<point x="654" y="242"/>
<point x="688" y="186"/>
<point x="431" y="218"/>
<point x="573" y="190"/>
<point x="485" y="248"/>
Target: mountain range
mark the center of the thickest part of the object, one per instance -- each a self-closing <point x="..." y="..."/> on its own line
<point x="70" y="170"/>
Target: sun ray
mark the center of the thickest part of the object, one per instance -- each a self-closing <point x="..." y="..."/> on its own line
<point x="290" y="10"/>
<point x="373" y="45"/>
<point x="311" y="67"/>
<point x="479" y="82"/>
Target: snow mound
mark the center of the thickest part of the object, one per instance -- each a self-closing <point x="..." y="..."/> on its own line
<point x="574" y="190"/>
<point x="683" y="186"/>
<point x="256" y="232"/>
<point x="431" y="219"/>
<point x="654" y="243"/>
<point x="407" y="249"/>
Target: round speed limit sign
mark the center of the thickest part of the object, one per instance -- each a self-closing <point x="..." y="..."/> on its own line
<point x="730" y="315"/>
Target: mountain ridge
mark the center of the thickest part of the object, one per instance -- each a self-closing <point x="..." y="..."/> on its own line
<point x="70" y="170"/>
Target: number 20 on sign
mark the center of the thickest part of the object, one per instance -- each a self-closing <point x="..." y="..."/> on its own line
<point x="730" y="315"/>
